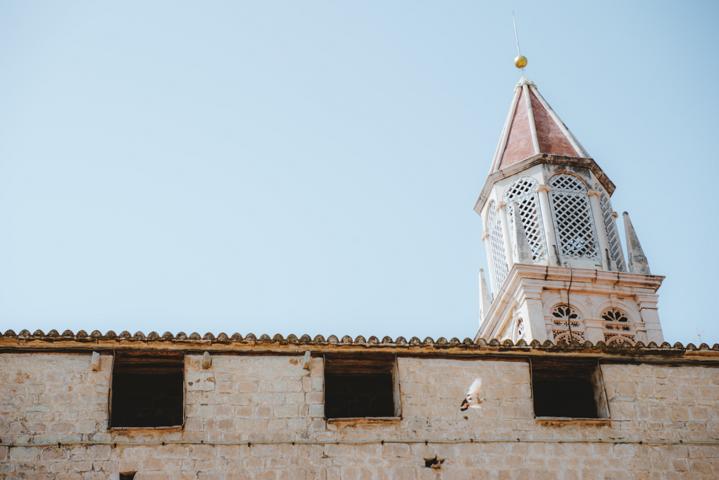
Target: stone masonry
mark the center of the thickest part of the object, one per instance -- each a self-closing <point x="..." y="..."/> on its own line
<point x="258" y="414"/>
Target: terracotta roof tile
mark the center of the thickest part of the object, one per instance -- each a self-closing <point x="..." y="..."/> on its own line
<point x="533" y="128"/>
<point x="550" y="137"/>
<point x="250" y="338"/>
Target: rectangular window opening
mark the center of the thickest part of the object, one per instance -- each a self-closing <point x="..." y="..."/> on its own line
<point x="361" y="387"/>
<point x="570" y="388"/>
<point x="127" y="476"/>
<point x="147" y="390"/>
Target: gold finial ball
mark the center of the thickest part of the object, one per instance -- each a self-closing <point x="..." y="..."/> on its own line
<point x="520" y="61"/>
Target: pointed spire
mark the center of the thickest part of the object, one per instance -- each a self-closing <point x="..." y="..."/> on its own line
<point x="532" y="128"/>
<point x="524" y="253"/>
<point x="484" y="301"/>
<point x="637" y="261"/>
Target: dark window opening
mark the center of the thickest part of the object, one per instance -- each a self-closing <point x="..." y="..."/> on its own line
<point x="567" y="388"/>
<point x="360" y="387"/>
<point x="127" y="476"/>
<point x="147" y="391"/>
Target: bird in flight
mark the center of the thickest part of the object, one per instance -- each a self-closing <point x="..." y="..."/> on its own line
<point x="472" y="398"/>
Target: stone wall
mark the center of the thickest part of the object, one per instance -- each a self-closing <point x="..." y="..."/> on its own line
<point x="261" y="417"/>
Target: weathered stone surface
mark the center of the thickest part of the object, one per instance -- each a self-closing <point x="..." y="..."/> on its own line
<point x="258" y="417"/>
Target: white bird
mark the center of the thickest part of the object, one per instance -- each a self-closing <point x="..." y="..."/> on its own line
<point x="472" y="398"/>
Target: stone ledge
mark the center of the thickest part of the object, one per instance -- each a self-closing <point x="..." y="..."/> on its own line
<point x="363" y="421"/>
<point x="564" y="421"/>
<point x="145" y="430"/>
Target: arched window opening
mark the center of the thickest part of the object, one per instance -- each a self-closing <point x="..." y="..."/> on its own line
<point x="573" y="218"/>
<point x="615" y="247"/>
<point x="617" y="327"/>
<point x="496" y="246"/>
<point x="567" y="324"/>
<point x="523" y="194"/>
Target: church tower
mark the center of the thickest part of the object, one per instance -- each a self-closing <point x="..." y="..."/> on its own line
<point x="556" y="266"/>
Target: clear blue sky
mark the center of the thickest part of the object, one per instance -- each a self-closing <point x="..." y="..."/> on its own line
<point x="311" y="167"/>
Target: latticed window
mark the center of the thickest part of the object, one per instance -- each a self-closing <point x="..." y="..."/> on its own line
<point x="617" y="327"/>
<point x="523" y="195"/>
<point x="615" y="247"/>
<point x="496" y="246"/>
<point x="566" y="324"/>
<point x="573" y="218"/>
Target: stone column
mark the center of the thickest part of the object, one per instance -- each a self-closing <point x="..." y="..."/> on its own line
<point x="549" y="235"/>
<point x="623" y="260"/>
<point x="593" y="329"/>
<point x="531" y="310"/>
<point x="509" y="251"/>
<point x="650" y="317"/>
<point x="490" y="261"/>
<point x="599" y="227"/>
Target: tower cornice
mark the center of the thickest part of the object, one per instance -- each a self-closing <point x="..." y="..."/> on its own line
<point x="543" y="159"/>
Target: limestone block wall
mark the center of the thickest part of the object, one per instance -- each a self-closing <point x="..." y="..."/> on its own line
<point x="51" y="398"/>
<point x="252" y="398"/>
<point x="261" y="417"/>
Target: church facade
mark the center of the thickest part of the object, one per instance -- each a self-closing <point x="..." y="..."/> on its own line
<point x="569" y="372"/>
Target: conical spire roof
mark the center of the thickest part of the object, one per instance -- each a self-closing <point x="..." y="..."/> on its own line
<point x="533" y="128"/>
<point x="637" y="261"/>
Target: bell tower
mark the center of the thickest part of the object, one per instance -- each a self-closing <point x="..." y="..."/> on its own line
<point x="556" y="264"/>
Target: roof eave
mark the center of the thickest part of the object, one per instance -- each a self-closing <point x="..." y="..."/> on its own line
<point x="108" y="344"/>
